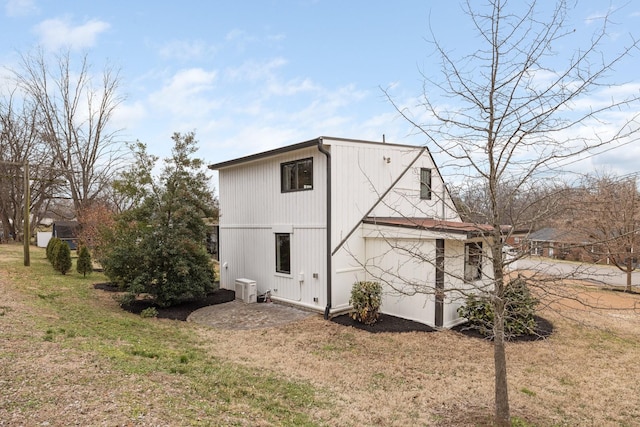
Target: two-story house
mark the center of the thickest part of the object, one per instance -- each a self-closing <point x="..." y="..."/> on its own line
<point x="307" y="221"/>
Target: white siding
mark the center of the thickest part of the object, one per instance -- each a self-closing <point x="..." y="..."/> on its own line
<point x="253" y="209"/>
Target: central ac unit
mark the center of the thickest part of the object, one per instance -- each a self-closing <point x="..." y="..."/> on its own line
<point x="246" y="290"/>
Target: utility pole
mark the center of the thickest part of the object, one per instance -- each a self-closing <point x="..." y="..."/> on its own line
<point x="27" y="212"/>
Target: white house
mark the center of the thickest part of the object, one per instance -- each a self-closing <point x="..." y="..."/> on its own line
<point x="308" y="220"/>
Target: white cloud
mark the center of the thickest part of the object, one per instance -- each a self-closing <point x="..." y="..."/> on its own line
<point x="255" y="70"/>
<point x="20" y="7"/>
<point x="187" y="49"/>
<point x="187" y="93"/>
<point x="58" y="33"/>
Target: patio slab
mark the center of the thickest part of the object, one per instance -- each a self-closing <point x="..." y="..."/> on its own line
<point x="239" y="315"/>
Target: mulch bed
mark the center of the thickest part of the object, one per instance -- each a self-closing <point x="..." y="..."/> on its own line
<point x="176" y="312"/>
<point x="543" y="330"/>
<point x="385" y="323"/>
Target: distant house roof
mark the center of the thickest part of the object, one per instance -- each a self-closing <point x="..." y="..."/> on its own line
<point x="549" y="234"/>
<point x="467" y="228"/>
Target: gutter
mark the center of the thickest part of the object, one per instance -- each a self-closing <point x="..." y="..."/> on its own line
<point x="324" y="151"/>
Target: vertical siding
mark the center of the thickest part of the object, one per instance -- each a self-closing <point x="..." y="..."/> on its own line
<point x="361" y="174"/>
<point x="253" y="209"/>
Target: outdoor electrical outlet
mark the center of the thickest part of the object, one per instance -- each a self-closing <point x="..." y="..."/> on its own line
<point x="315" y="275"/>
<point x="315" y="299"/>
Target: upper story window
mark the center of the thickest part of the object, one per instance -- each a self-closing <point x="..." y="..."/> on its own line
<point x="296" y="175"/>
<point x="425" y="184"/>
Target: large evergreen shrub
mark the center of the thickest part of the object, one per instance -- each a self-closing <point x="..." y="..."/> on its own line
<point x="366" y="299"/>
<point x="519" y="311"/>
<point x="157" y="247"/>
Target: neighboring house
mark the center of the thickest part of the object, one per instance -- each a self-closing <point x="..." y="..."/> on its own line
<point x="307" y="221"/>
<point x="557" y="243"/>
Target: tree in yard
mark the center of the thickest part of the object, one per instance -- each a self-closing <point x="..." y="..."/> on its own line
<point x="514" y="113"/>
<point x="84" y="265"/>
<point x="158" y="246"/>
<point x="74" y="118"/>
<point x="62" y="258"/>
<point x="20" y="143"/>
<point x="610" y="219"/>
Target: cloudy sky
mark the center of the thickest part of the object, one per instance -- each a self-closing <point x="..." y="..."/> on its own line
<point x="254" y="75"/>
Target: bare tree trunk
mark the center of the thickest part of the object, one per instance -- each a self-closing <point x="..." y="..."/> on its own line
<point x="500" y="364"/>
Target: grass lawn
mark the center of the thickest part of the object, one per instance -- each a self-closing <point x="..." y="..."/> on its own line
<point x="70" y="356"/>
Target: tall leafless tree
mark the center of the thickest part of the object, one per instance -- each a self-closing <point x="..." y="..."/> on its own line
<point x="75" y="118"/>
<point x="609" y="218"/>
<point x="512" y="114"/>
<point x="19" y="144"/>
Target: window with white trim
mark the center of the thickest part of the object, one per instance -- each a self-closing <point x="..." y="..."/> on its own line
<point x="283" y="253"/>
<point x="473" y="261"/>
<point x="425" y="184"/>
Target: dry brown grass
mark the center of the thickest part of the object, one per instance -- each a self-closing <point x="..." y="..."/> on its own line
<point x="584" y="374"/>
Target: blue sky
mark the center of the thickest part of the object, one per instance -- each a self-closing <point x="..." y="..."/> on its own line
<point x="253" y="75"/>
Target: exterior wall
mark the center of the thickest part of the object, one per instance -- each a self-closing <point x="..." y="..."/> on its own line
<point x="253" y="209"/>
<point x="361" y="174"/>
<point x="408" y="274"/>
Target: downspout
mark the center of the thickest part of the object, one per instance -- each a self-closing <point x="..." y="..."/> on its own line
<point x="329" y="256"/>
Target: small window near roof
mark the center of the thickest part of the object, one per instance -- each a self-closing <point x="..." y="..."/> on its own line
<point x="296" y="176"/>
<point x="425" y="184"/>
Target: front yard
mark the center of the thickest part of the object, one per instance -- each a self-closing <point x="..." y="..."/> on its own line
<point x="70" y="356"/>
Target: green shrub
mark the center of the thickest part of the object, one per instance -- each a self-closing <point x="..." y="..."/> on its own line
<point x="125" y="299"/>
<point x="366" y="299"/>
<point x="519" y="316"/>
<point x="84" y="264"/>
<point x="150" y="312"/>
<point x="53" y="243"/>
<point x="62" y="258"/>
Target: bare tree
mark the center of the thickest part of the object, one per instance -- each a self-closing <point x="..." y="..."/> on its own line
<point x="610" y="219"/>
<point x="512" y="116"/>
<point x="75" y="120"/>
<point x="19" y="144"/>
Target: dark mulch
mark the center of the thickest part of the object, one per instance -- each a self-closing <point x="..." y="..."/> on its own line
<point x="388" y="323"/>
<point x="385" y="323"/>
<point x="544" y="329"/>
<point x="176" y="312"/>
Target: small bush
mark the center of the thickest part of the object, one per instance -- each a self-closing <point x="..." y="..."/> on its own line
<point x="84" y="265"/>
<point x="366" y="299"/>
<point x="62" y="258"/>
<point x="53" y="243"/>
<point x="519" y="313"/>
<point x="149" y="312"/>
<point x="125" y="299"/>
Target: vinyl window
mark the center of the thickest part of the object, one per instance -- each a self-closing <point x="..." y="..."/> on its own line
<point x="296" y="175"/>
